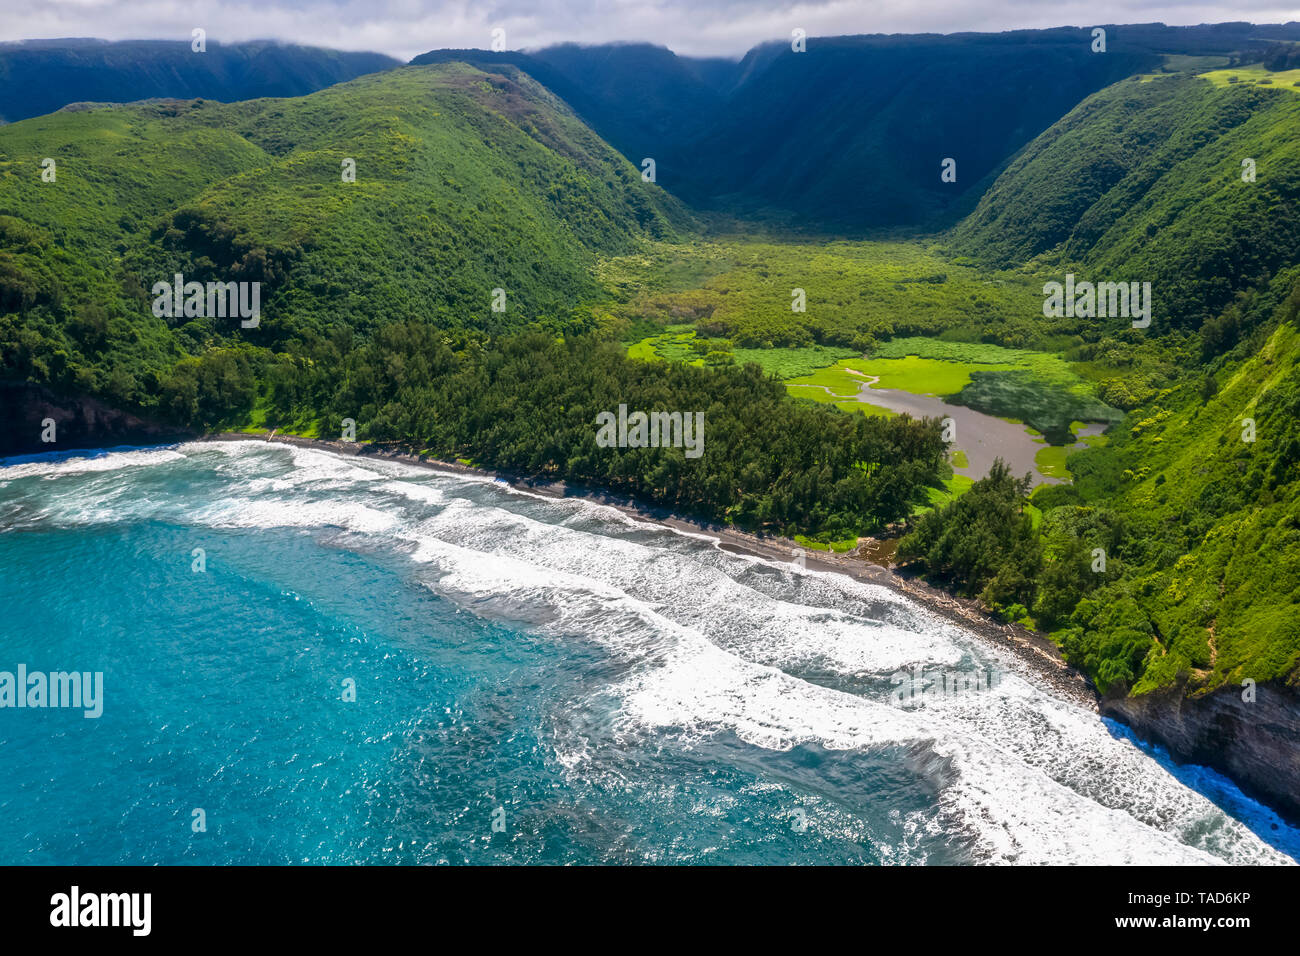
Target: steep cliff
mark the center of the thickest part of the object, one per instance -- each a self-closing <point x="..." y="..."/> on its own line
<point x="1254" y="738"/>
<point x="78" y="422"/>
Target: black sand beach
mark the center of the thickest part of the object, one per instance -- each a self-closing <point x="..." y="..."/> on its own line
<point x="1035" y="651"/>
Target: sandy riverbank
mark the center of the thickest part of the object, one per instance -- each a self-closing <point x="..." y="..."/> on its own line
<point x="1037" y="652"/>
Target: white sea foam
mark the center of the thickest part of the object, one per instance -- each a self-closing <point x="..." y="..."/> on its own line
<point x="688" y="685"/>
<point x="77" y="463"/>
<point x="262" y="513"/>
<point x="713" y="643"/>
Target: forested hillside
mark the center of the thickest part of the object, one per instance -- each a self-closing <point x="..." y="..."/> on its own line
<point x="1144" y="181"/>
<point x="41" y="76"/>
<point x="378" y="295"/>
<point x="849" y="135"/>
<point x="465" y="183"/>
<point x="1174" y="557"/>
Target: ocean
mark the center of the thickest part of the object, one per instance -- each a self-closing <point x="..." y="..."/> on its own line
<point x="310" y="658"/>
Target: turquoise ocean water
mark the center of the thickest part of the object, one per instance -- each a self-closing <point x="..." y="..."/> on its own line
<point x="536" y="681"/>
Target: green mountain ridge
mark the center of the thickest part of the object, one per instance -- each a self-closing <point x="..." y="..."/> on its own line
<point x="849" y="134"/>
<point x="1193" y="502"/>
<point x="465" y="183"/>
<point x="1143" y="181"/>
<point x="41" y="76"/>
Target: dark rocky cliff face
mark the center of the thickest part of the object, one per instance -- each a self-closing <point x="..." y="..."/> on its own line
<point x="1256" y="743"/>
<point x="79" y="422"/>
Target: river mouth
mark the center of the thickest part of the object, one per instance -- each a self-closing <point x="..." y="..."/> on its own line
<point x="984" y="438"/>
<point x="879" y="551"/>
<point x="981" y="437"/>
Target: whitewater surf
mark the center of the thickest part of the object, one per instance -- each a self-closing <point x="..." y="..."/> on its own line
<point x="533" y="680"/>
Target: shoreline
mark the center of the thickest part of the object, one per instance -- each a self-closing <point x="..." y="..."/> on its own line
<point x="1034" y="651"/>
<point x="1252" y="745"/>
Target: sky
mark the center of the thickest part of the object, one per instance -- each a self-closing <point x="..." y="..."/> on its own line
<point x="404" y="28"/>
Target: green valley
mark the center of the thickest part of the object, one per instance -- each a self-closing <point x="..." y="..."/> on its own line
<point x="496" y="275"/>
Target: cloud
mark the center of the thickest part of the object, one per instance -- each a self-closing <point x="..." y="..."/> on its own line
<point x="403" y="28"/>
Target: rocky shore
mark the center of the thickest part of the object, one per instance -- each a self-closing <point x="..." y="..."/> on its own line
<point x="31" y="414"/>
<point x="1035" y="651"/>
<point x="1256" y="743"/>
<point x="1251" y="734"/>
